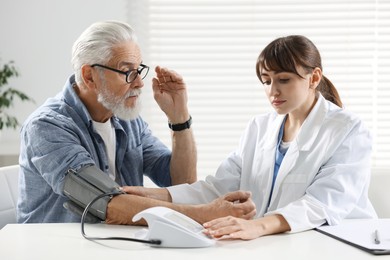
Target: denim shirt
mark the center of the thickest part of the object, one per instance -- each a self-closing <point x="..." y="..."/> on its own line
<point x="60" y="136"/>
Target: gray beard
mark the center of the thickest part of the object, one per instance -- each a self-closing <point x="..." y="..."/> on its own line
<point x="117" y="104"/>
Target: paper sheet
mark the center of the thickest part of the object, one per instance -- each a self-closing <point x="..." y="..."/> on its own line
<point x="361" y="232"/>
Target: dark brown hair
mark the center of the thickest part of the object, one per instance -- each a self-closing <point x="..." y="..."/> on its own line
<point x="288" y="53"/>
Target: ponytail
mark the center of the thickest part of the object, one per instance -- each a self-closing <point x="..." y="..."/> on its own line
<point x="329" y="91"/>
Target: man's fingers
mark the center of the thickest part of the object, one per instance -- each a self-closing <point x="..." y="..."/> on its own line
<point x="240" y="196"/>
<point x="165" y="75"/>
<point x="250" y="215"/>
<point x="168" y="79"/>
<point x="246" y="209"/>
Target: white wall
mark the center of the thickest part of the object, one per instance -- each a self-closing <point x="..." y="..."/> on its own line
<point x="38" y="36"/>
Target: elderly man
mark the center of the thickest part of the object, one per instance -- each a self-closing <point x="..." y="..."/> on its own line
<point x="95" y="121"/>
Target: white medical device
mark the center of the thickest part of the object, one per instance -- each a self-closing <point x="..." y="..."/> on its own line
<point x="172" y="228"/>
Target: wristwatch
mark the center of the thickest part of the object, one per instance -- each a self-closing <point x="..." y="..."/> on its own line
<point x="180" y="127"/>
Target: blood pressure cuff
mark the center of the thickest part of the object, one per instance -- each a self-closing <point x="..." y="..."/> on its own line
<point x="84" y="185"/>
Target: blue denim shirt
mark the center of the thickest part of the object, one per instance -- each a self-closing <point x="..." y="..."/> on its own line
<point x="60" y="136"/>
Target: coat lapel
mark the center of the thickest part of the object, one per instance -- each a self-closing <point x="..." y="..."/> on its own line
<point x="268" y="160"/>
<point x="303" y="142"/>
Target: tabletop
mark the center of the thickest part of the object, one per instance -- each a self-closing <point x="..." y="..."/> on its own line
<point x="64" y="241"/>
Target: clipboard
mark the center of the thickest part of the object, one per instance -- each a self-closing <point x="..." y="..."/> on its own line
<point x="360" y="233"/>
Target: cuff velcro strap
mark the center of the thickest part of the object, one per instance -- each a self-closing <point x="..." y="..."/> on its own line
<point x="180" y="127"/>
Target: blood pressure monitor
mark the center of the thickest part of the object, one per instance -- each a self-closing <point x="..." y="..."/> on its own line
<point x="172" y="228"/>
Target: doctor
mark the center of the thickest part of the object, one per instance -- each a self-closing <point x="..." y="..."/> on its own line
<point x="306" y="164"/>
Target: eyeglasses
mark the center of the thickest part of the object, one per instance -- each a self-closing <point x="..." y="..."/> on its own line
<point x="131" y="75"/>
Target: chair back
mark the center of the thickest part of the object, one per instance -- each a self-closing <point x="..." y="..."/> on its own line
<point x="379" y="192"/>
<point x="9" y="176"/>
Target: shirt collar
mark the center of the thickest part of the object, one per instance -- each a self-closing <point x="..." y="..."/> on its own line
<point x="74" y="101"/>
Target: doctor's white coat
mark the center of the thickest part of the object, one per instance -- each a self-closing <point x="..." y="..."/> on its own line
<point x="324" y="176"/>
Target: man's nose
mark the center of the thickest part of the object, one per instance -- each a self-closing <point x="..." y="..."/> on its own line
<point x="138" y="82"/>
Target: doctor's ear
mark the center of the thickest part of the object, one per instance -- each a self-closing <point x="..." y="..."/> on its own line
<point x="315" y="78"/>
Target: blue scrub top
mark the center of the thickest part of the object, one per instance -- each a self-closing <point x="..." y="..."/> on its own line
<point x="279" y="156"/>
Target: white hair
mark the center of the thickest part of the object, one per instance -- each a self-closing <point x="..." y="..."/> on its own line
<point x="95" y="44"/>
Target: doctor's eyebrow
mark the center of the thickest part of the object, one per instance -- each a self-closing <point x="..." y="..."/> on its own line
<point x="275" y="72"/>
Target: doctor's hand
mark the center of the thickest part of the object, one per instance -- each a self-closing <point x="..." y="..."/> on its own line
<point x="170" y="93"/>
<point x="238" y="204"/>
<point x="236" y="228"/>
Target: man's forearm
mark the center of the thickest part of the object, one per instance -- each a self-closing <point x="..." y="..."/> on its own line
<point x="184" y="157"/>
<point x="122" y="208"/>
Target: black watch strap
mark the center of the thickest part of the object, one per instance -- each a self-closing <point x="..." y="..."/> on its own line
<point x="180" y="127"/>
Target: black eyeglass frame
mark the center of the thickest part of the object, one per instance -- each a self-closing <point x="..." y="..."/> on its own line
<point x="127" y="73"/>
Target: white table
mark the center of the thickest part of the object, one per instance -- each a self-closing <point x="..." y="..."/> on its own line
<point x="64" y="241"/>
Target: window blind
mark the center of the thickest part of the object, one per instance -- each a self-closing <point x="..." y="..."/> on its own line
<point x="215" y="44"/>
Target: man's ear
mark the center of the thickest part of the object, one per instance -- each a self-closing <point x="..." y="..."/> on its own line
<point x="88" y="76"/>
<point x="315" y="78"/>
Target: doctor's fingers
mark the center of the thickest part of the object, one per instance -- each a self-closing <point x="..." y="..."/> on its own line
<point x="223" y="226"/>
<point x="135" y="190"/>
<point x="234" y="232"/>
<point x="153" y="193"/>
<point x="231" y="228"/>
<point x="218" y="223"/>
